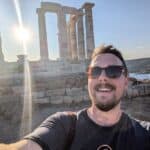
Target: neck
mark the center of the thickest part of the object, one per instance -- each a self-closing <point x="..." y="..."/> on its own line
<point x="105" y="118"/>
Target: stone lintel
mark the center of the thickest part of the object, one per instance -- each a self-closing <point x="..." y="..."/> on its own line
<point x="50" y="4"/>
<point x="70" y="10"/>
<point x="50" y="7"/>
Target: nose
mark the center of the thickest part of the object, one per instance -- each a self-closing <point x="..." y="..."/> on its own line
<point x="103" y="76"/>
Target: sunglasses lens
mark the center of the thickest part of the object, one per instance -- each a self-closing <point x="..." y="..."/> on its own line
<point x="111" y="71"/>
<point x="94" y="72"/>
<point x="114" y="71"/>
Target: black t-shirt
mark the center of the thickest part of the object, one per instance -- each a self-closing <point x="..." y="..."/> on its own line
<point x="127" y="134"/>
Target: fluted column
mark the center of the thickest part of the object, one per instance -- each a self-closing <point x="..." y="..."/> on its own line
<point x="81" y="45"/>
<point x="69" y="42"/>
<point x="42" y="35"/>
<point x="89" y="28"/>
<point x="62" y="34"/>
<point x="1" y="51"/>
<point x="73" y="39"/>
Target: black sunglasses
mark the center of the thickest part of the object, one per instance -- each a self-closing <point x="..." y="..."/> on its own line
<point x="110" y="71"/>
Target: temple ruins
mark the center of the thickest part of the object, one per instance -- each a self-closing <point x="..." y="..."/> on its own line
<point x="74" y="44"/>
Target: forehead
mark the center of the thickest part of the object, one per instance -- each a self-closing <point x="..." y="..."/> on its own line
<point x="105" y="60"/>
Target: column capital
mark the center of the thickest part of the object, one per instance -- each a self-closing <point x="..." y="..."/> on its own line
<point x="80" y="12"/>
<point x="40" y="11"/>
<point x="88" y="5"/>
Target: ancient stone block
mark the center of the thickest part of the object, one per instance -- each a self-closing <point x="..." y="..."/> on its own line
<point x="56" y="99"/>
<point x="38" y="94"/>
<point x="74" y="91"/>
<point x="8" y="98"/>
<point x="56" y="92"/>
<point x="86" y="97"/>
<point x="68" y="99"/>
<point x="78" y="98"/>
<point x="41" y="100"/>
<point x="18" y="89"/>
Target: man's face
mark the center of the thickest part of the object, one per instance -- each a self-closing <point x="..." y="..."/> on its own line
<point x="106" y="92"/>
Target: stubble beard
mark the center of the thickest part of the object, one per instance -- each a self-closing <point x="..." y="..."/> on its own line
<point x="108" y="105"/>
<point x="104" y="103"/>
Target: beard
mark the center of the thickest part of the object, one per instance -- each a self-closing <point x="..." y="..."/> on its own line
<point x="106" y="104"/>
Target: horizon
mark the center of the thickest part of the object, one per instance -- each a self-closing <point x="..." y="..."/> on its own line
<point x="125" y="25"/>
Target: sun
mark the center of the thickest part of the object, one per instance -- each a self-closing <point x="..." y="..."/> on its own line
<point x="23" y="34"/>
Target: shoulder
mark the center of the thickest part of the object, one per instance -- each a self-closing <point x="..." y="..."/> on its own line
<point x="141" y="129"/>
<point x="53" y="130"/>
<point x="60" y="119"/>
<point x="145" y="125"/>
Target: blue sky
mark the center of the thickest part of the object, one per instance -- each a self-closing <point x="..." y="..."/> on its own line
<point x="123" y="23"/>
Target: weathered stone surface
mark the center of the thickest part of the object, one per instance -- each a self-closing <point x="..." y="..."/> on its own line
<point x="41" y="100"/>
<point x="38" y="94"/>
<point x="77" y="98"/>
<point x="86" y="97"/>
<point x="137" y="107"/>
<point x="68" y="100"/>
<point x="56" y="99"/>
<point x="56" y="92"/>
<point x="8" y="98"/>
<point x="74" y="91"/>
<point x="6" y="90"/>
<point x="18" y="89"/>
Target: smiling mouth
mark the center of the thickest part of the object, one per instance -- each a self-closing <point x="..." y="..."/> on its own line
<point x="104" y="88"/>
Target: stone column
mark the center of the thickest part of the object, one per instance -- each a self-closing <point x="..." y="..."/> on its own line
<point x="62" y="34"/>
<point x="89" y="28"/>
<point x="81" y="45"/>
<point x="73" y="39"/>
<point x="1" y="51"/>
<point x="42" y="34"/>
<point x="69" y="42"/>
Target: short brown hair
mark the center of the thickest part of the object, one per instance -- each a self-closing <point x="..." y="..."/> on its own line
<point x="110" y="50"/>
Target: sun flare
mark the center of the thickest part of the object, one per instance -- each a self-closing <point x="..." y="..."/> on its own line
<point x="22" y="34"/>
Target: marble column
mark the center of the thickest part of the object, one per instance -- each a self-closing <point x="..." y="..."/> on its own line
<point x="89" y="28"/>
<point x="73" y="39"/>
<point x="69" y="42"/>
<point x="62" y="34"/>
<point x="1" y="51"/>
<point x="81" y="45"/>
<point x="42" y="35"/>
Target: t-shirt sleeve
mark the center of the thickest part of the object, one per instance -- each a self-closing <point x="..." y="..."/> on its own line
<point x="52" y="133"/>
<point x="144" y="124"/>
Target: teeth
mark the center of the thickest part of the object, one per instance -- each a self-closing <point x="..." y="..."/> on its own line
<point x="104" y="89"/>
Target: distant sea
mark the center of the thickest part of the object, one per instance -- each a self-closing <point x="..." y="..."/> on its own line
<point x="140" y="76"/>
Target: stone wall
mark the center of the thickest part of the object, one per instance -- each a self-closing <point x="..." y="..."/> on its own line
<point x="57" y="93"/>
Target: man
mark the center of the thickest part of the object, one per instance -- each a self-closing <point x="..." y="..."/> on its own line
<point x="102" y="126"/>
